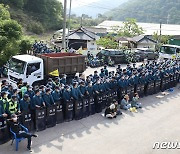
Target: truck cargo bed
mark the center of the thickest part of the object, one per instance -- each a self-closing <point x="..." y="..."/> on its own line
<point x="66" y="63"/>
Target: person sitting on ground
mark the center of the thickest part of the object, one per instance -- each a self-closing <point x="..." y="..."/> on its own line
<point x="134" y="102"/>
<point x="125" y="103"/>
<point x="117" y="107"/>
<point x="17" y="129"/>
<point x="110" y="112"/>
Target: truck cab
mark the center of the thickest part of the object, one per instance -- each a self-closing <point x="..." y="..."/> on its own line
<point x="169" y="52"/>
<point x="26" y="67"/>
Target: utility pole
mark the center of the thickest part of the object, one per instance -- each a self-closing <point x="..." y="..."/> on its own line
<point x="160" y="31"/>
<point x="168" y="18"/>
<point x="64" y="26"/>
<point x="69" y="23"/>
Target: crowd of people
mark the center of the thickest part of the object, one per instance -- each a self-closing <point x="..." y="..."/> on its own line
<point x="41" y="47"/>
<point x="113" y="86"/>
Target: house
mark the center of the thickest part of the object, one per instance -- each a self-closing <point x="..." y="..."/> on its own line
<point x="142" y="41"/>
<point x="124" y="42"/>
<point x="82" y="38"/>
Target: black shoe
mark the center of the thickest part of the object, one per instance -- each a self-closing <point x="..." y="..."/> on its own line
<point x="35" y="135"/>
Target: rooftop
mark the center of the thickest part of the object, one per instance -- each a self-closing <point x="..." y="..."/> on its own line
<point x="149" y="28"/>
<point x="27" y="58"/>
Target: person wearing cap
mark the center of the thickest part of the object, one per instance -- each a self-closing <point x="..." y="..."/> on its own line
<point x="4" y="86"/>
<point x="37" y="101"/>
<point x="49" y="83"/>
<point x="23" y="89"/>
<point x="134" y="102"/>
<point x="96" y="87"/>
<point x="10" y="91"/>
<point x="63" y="79"/>
<point x="106" y="70"/>
<point x="76" y="94"/>
<point x="30" y="92"/>
<point x="48" y="99"/>
<point x="13" y="106"/>
<point x="20" y="83"/>
<point x="66" y="94"/>
<point x="56" y="94"/>
<point x="83" y="88"/>
<point x="102" y="74"/>
<point x="16" y="93"/>
<point x="25" y="103"/>
<point x="110" y="112"/>
<point x="4" y="100"/>
<point x="95" y="76"/>
<point x="42" y="89"/>
<point x="18" y="130"/>
<point x="90" y="89"/>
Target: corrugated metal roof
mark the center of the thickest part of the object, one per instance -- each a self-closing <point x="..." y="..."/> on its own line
<point x="149" y="28"/>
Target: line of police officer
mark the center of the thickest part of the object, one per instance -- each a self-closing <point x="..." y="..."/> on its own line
<point x="84" y="97"/>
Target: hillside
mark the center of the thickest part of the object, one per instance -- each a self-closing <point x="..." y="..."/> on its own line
<point x="36" y="16"/>
<point x="152" y="11"/>
<point x="98" y="7"/>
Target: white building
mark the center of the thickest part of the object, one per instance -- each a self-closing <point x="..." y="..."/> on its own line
<point x="149" y="28"/>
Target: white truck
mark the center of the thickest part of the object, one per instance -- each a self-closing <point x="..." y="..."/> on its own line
<point x="34" y="69"/>
<point x="169" y="52"/>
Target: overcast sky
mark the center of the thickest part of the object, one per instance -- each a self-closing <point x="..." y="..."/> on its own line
<point x="78" y="3"/>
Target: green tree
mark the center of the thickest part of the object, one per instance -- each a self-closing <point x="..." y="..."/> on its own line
<point x="10" y="34"/>
<point x="4" y="13"/>
<point x="25" y="46"/>
<point x="107" y="42"/>
<point x="130" y="28"/>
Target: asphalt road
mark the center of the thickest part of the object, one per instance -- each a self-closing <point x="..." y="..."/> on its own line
<point x="130" y="133"/>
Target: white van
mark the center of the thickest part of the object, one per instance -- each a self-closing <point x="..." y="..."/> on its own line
<point x="169" y="52"/>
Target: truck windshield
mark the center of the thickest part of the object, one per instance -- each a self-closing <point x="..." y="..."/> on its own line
<point x="17" y="65"/>
<point x="168" y="50"/>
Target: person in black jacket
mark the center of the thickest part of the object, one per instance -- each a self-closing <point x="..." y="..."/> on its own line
<point x="17" y="129"/>
<point x="110" y="112"/>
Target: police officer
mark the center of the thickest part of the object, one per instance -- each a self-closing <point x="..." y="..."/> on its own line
<point x="30" y="92"/>
<point x="76" y="94"/>
<point x="4" y="100"/>
<point x="48" y="99"/>
<point x="4" y="86"/>
<point x="67" y="94"/>
<point x="25" y="103"/>
<point x="56" y="94"/>
<point x="83" y="88"/>
<point x="37" y="101"/>
<point x="63" y="79"/>
<point x="2" y="112"/>
<point x="13" y="106"/>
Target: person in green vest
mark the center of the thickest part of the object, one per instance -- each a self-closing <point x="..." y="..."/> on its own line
<point x="4" y="99"/>
<point x="23" y="89"/>
<point x="13" y="106"/>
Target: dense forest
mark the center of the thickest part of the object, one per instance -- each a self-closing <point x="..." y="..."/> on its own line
<point x="153" y="11"/>
<point x="36" y="15"/>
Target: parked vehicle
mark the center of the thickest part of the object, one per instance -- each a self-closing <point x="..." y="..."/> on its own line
<point x="146" y="53"/>
<point x="169" y="52"/>
<point x="36" y="69"/>
<point x="117" y="56"/>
